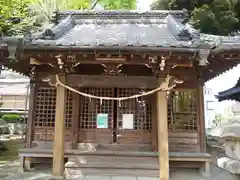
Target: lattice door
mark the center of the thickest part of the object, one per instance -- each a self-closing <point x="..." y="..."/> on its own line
<point x="182" y="111"/>
<point x="44" y="121"/>
<point x="89" y="110"/>
<point x="140" y="108"/>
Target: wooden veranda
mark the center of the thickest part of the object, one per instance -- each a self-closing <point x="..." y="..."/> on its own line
<point x="117" y="54"/>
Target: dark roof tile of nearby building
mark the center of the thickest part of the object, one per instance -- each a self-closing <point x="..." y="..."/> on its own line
<point x="230" y="94"/>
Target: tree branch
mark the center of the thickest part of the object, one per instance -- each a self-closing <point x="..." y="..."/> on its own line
<point x="94" y="4"/>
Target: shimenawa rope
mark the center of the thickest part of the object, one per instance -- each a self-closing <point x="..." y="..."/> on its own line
<point x="163" y="86"/>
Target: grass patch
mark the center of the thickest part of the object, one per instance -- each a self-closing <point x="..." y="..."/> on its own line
<point x="12" y="152"/>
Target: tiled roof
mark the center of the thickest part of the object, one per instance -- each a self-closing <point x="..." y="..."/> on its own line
<point x="120" y="28"/>
<point x="117" y="29"/>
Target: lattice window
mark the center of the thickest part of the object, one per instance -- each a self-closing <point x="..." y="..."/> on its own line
<point x="139" y="107"/>
<point x="68" y="109"/>
<point x="182" y="111"/>
<point x="92" y="107"/>
<point x="45" y="107"/>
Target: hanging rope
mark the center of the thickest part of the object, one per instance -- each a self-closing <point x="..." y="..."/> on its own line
<point x="164" y="86"/>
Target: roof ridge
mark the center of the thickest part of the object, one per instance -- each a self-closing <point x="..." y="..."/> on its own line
<point x="118" y="14"/>
<point x="122" y="11"/>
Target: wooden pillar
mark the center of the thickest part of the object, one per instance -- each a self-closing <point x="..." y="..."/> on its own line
<point x="201" y="119"/>
<point x="31" y="115"/>
<point x="75" y="119"/>
<point x="154" y="123"/>
<point x="59" y="132"/>
<point x="25" y="162"/>
<point x="163" y="134"/>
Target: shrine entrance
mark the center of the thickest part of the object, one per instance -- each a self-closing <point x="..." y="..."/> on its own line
<point x="114" y="122"/>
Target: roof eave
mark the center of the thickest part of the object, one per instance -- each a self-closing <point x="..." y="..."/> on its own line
<point x="228" y="94"/>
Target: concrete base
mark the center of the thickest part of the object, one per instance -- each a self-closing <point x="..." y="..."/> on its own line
<point x="57" y="178"/>
<point x="205" y="171"/>
<point x="230" y="165"/>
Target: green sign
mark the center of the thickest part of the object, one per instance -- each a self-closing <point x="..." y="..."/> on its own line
<point x="102" y="120"/>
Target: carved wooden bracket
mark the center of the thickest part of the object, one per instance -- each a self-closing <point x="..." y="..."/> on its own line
<point x="157" y="64"/>
<point x="59" y="61"/>
<point x="153" y="63"/>
<point x="112" y="69"/>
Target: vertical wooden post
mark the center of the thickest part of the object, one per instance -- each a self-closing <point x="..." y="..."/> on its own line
<point x="201" y="119"/>
<point x="154" y="123"/>
<point x="75" y="119"/>
<point x="163" y="135"/>
<point x="59" y="132"/>
<point x="25" y="163"/>
<point x="31" y="114"/>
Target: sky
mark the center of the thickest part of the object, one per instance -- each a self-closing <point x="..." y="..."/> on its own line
<point x="143" y="5"/>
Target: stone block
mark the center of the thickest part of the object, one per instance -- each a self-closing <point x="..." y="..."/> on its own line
<point x="230" y="165"/>
<point x="232" y="149"/>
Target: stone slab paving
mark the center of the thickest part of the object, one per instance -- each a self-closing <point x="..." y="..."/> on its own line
<point x="11" y="171"/>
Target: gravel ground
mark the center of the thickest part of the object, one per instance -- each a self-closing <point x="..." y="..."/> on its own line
<point x="11" y="171"/>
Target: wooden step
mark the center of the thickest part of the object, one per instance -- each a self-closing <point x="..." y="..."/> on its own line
<point x="123" y="147"/>
<point x="113" y="162"/>
<point x="73" y="172"/>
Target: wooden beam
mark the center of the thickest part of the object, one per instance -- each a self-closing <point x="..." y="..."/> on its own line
<point x="162" y="116"/>
<point x="147" y="82"/>
<point x="107" y="81"/>
<point x="113" y="81"/>
<point x="31" y="115"/>
<point x="75" y="119"/>
<point x="59" y="132"/>
<point x="89" y="57"/>
<point x="201" y="119"/>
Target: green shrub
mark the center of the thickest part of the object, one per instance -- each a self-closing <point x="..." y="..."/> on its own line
<point x="11" y="118"/>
